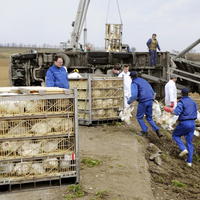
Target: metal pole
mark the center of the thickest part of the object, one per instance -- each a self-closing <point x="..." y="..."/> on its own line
<point x="188" y="49"/>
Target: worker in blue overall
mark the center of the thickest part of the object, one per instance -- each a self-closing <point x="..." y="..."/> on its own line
<point x="142" y="91"/>
<point x="187" y="111"/>
<point x="57" y="75"/>
<point x="153" y="45"/>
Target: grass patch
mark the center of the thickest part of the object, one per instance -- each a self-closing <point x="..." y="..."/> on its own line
<point x="90" y="162"/>
<point x="101" y="194"/>
<point x="178" y="184"/>
<point x="74" y="191"/>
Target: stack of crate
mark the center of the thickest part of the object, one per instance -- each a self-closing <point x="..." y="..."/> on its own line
<point x="100" y="99"/>
<point x="38" y="136"/>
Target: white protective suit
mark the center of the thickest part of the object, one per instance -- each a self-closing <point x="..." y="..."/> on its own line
<point x="170" y="93"/>
<point x="74" y="75"/>
<point x="127" y="86"/>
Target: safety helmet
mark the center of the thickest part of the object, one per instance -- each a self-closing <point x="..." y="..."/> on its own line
<point x="76" y="70"/>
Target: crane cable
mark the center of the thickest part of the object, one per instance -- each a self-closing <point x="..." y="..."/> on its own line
<point x="108" y="8"/>
<point x="119" y="11"/>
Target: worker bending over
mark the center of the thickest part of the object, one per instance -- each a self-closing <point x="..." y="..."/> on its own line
<point x="57" y="75"/>
<point x="171" y="92"/>
<point x="187" y="111"/>
<point x="142" y="91"/>
<point x="125" y="74"/>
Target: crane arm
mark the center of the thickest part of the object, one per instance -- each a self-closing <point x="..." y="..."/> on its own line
<point x="79" y="22"/>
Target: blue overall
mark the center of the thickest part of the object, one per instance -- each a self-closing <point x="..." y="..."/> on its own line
<point x="187" y="111"/>
<point x="142" y="91"/>
<point x="153" y="57"/>
<point x="57" y="77"/>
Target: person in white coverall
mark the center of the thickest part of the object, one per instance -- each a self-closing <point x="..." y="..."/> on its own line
<point x="171" y="92"/>
<point x="127" y="84"/>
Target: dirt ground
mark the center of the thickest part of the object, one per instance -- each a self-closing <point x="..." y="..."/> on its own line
<point x="125" y="172"/>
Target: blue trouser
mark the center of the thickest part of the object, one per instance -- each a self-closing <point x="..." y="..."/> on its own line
<point x="186" y="129"/>
<point x="153" y="57"/>
<point x="145" y="108"/>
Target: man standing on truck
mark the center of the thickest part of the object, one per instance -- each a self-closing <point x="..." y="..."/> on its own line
<point x="153" y="45"/>
<point x="171" y="92"/>
<point x="142" y="91"/>
<point x="125" y="74"/>
<point x="186" y="109"/>
<point x="57" y="75"/>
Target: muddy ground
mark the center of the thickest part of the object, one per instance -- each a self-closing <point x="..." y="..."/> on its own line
<point x="125" y="171"/>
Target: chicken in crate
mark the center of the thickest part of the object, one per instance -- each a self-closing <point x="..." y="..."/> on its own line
<point x="38" y="134"/>
<point x="100" y="99"/>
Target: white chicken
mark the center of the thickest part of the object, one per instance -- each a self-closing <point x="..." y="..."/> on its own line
<point x="29" y="149"/>
<point x="37" y="168"/>
<point x="196" y="133"/>
<point x="10" y="146"/>
<point x="41" y="128"/>
<point x="22" y="168"/>
<point x="50" y="163"/>
<point x="17" y="131"/>
<point x="107" y="103"/>
<point x="33" y="106"/>
<point x="50" y="146"/>
<point x="6" y="168"/>
<point x="198" y="117"/>
<point x="12" y="107"/>
<point x="156" y="110"/>
<point x="126" y="114"/>
<point x="111" y="113"/>
<point x="65" y="163"/>
<point x="97" y="103"/>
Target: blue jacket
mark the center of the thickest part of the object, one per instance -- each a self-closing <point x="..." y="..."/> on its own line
<point x="186" y="109"/>
<point x="141" y="91"/>
<point x="57" y="77"/>
<point x="149" y="43"/>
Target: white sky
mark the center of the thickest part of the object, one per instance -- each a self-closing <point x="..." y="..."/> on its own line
<point x="176" y="22"/>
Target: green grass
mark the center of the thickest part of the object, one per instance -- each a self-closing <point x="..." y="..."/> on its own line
<point x="73" y="192"/>
<point x="178" y="184"/>
<point x="90" y="162"/>
<point x="100" y="195"/>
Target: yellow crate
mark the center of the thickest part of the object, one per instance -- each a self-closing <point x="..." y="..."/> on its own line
<point x="13" y="149"/>
<point x="105" y="114"/>
<point x="30" y="107"/>
<point x="63" y="165"/>
<point x="107" y="93"/>
<point x="36" y="127"/>
<point x="78" y="83"/>
<point x="83" y="105"/>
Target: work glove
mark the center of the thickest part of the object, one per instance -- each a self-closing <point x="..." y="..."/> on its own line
<point x="172" y="104"/>
<point x="168" y="109"/>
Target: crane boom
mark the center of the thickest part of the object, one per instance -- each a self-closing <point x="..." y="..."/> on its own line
<point x="79" y="22"/>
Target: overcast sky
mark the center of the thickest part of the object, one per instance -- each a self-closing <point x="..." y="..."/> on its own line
<point x="176" y="22"/>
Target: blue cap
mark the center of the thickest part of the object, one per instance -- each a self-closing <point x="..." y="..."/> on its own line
<point x="185" y="91"/>
<point x="133" y="74"/>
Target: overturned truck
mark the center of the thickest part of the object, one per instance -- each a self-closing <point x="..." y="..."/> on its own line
<point x="30" y="68"/>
